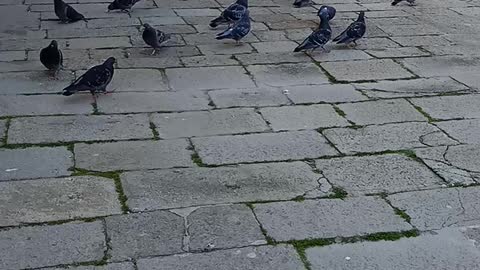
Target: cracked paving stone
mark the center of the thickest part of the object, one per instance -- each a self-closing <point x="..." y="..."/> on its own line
<point x="175" y="188"/>
<point x="40" y="246"/>
<point x="144" y="234"/>
<point x="34" y="162"/>
<point x="450" y="248"/>
<point x="43" y="105"/>
<point x="462" y="130"/>
<point x="378" y="174"/>
<point x="287" y="74"/>
<point x="138" y="80"/>
<point x="440" y="208"/>
<point x="43" y="200"/>
<point x="54" y="129"/>
<point x="133" y="155"/>
<point x="328" y="218"/>
<point x="221" y="227"/>
<point x="252" y="97"/>
<point x="279" y="257"/>
<point x="324" y="93"/>
<point x="387" y="137"/>
<point x="450" y="107"/>
<point x="33" y="82"/>
<point x="110" y="266"/>
<point x="262" y="147"/>
<point x="381" y="112"/>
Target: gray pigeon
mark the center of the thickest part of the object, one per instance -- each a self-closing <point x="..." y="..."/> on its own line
<point x="231" y="14"/>
<point x="327" y="12"/>
<point x="51" y="57"/>
<point x="302" y="3"/>
<point x="123" y="5"/>
<point x="318" y="38"/>
<point x="154" y="37"/>
<point x="410" y="2"/>
<point x="95" y="80"/>
<point x="66" y="13"/>
<point x="238" y="30"/>
<point x="354" y="32"/>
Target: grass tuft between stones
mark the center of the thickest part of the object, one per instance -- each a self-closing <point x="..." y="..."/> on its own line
<point x="156" y="135"/>
<point x="197" y="160"/>
<point x="339" y="111"/>
<point x="338" y="193"/>
<point x="420" y="110"/>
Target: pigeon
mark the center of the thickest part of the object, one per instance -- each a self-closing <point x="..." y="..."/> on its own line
<point x="410" y="2"/>
<point x="327" y="11"/>
<point x="66" y="13"/>
<point x="51" y="57"/>
<point x="154" y="37"/>
<point x="231" y="14"/>
<point x="123" y="5"/>
<point x="318" y="38"/>
<point x="301" y="3"/>
<point x="238" y="30"/>
<point x="354" y="32"/>
<point x="94" y="80"/>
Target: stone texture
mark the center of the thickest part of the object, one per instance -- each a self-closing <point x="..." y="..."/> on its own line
<point x="280" y="257"/>
<point x="462" y="130"/>
<point x="145" y="234"/>
<point x="274" y="46"/>
<point x="217" y="122"/>
<point x="398" y="52"/>
<point x="287" y="74"/>
<point x="138" y="80"/>
<point x="366" y="70"/>
<point x="253" y="97"/>
<point x="272" y="58"/>
<point x="24" y="202"/>
<point x="262" y="147"/>
<point x="33" y="82"/>
<point x="32" y="247"/>
<point x="43" y="105"/>
<point x="110" y="266"/>
<point x="142" y="155"/>
<point x="3" y="131"/>
<point x="78" y="128"/>
<point x="340" y="55"/>
<point x="441" y="65"/>
<point x="386" y="137"/>
<point x="328" y="218"/>
<point x="450" y="107"/>
<point x="150" y="190"/>
<point x="324" y="93"/>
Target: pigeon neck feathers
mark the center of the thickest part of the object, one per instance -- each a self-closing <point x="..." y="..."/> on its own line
<point x="242" y="3"/>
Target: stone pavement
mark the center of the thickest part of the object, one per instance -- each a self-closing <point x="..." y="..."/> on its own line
<point x="216" y="156"/>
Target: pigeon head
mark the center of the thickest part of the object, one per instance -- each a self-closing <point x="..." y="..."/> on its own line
<point x="147" y="26"/>
<point x="53" y="44"/>
<point x="113" y="5"/>
<point x="361" y="16"/>
<point x="243" y="3"/>
<point x="110" y="61"/>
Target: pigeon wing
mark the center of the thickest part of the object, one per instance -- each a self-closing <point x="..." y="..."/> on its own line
<point x="73" y="15"/>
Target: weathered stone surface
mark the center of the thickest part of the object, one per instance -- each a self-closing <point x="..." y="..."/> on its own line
<point x="3" y="131"/>
<point x="449" y="107"/>
<point x="145" y="234"/>
<point x="324" y="93"/>
<point x="209" y="60"/>
<point x="253" y="97"/>
<point x="386" y="137"/>
<point x="150" y="62"/>
<point x="366" y="70"/>
<point x="35" y="162"/>
<point x="262" y="147"/>
<point x="43" y="105"/>
<point x="272" y="58"/>
<point x="33" y="82"/>
<point x="224" y="48"/>
<point x="133" y="155"/>
<point x="441" y="65"/>
<point x="40" y="246"/>
<point x="439" y="208"/>
<point x="421" y="40"/>
<point x="280" y="257"/>
<point x="274" y="46"/>
<point x="398" y="52"/>
<point x="381" y="112"/>
<point x="79" y="128"/>
<point x="328" y="218"/>
<point x="340" y="55"/>
<point x="462" y="130"/>
<point x="302" y="117"/>
<point x="57" y="199"/>
<point x="287" y="74"/>
<point x="446" y="249"/>
<point x="221" y="227"/>
<point x="13" y="56"/>
<point x="110" y="266"/>
<point x="378" y="174"/>
<point x="149" y="190"/>
<point x="138" y="80"/>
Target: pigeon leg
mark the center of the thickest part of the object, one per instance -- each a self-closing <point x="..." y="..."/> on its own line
<point x="154" y="51"/>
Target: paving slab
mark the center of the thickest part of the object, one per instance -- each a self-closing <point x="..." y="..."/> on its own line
<point x="33" y="82"/>
<point x="272" y="58"/>
<point x="462" y="130"/>
<point x="224" y="48"/>
<point x="366" y="70"/>
<point x="40" y="246"/>
<point x="144" y="234"/>
<point x="43" y="105"/>
<point x="441" y="65"/>
<point x="324" y="93"/>
<point x="328" y="218"/>
<point x="339" y="55"/>
<point x="251" y="97"/>
<point x="175" y="188"/>
<point x="141" y="155"/>
<point x="8" y="56"/>
<point x="287" y="74"/>
<point x="450" y="107"/>
<point x="274" y="46"/>
<point x="209" y="60"/>
<point x="110" y="266"/>
<point x="262" y="147"/>
<point x="44" y="200"/>
<point x="138" y="80"/>
<point x="55" y="129"/>
<point x="280" y="257"/>
<point x="3" y="131"/>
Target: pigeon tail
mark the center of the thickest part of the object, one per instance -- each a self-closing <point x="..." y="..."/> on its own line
<point x="395" y="2"/>
<point x="216" y="22"/>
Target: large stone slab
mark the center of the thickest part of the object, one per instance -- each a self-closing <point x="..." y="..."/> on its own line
<point x="378" y="174"/>
<point x="57" y="199"/>
<point x="222" y="227"/>
<point x="462" y="130"/>
<point x="302" y="117"/>
<point x="164" y="189"/>
<point x="35" y="162"/>
<point x="145" y="234"/>
<point x="40" y="246"/>
<point x="287" y="74"/>
<point x="262" y="147"/>
<point x="217" y="122"/>
<point x="110" y="266"/>
<point x="254" y="97"/>
<point x="441" y="65"/>
<point x="324" y="93"/>
<point x="3" y="131"/>
<point x="446" y="249"/>
<point x="280" y="257"/>
<point x="33" y="82"/>
<point x="450" y="107"/>
<point x="272" y="58"/>
<point x="381" y="112"/>
<point x="55" y="129"/>
<point x="328" y="218"/>
<point x="133" y="155"/>
<point x="138" y="80"/>
<point x="439" y="208"/>
<point x="386" y="137"/>
<point x="43" y="105"/>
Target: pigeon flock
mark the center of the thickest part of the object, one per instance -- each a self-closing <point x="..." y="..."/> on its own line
<point x="236" y="17"/>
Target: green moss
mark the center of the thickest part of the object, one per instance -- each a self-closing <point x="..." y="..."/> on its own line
<point x="197" y="160"/>
<point x="403" y="215"/>
<point x="156" y="135"/>
<point x="302" y="245"/>
<point x="390" y="236"/>
<point x="339" y="111"/>
<point x="420" y="110"/>
<point x="338" y="193"/>
<point x="299" y="199"/>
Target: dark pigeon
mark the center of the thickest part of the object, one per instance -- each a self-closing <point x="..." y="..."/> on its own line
<point x="231" y="14"/>
<point x="154" y="37"/>
<point x="302" y="3"/>
<point x="66" y="13"/>
<point x="410" y="2"/>
<point x="327" y="12"/>
<point x="318" y="38"/>
<point x="354" y="32"/>
<point x="238" y="30"/>
<point x="51" y="57"/>
<point x="123" y="5"/>
<point x="94" y="80"/>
